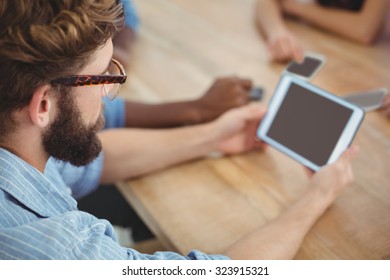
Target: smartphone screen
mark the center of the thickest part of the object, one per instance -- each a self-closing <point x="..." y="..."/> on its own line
<point x="307" y="68"/>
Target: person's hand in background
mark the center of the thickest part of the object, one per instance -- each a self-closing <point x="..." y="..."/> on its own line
<point x="224" y="94"/>
<point x="284" y="46"/>
<point x="281" y="43"/>
<point x="386" y="106"/>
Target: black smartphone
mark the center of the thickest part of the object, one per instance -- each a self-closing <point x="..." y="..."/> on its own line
<point x="256" y="94"/>
<point x="307" y="69"/>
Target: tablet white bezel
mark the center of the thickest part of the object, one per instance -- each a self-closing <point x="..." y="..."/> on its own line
<point x="310" y="55"/>
<point x="346" y="136"/>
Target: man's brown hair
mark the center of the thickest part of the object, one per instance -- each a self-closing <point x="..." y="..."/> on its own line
<point x="41" y="40"/>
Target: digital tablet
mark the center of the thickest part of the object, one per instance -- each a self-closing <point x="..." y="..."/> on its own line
<point x="309" y="124"/>
<point x="308" y="68"/>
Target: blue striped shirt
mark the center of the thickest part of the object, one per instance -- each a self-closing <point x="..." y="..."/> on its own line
<point x="39" y="219"/>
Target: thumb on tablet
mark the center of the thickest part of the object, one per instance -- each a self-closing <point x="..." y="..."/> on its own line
<point x="349" y="154"/>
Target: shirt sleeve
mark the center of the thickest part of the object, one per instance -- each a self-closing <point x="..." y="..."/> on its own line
<point x="114" y="113"/>
<point x="131" y="16"/>
<point x="76" y="235"/>
<point x="98" y="241"/>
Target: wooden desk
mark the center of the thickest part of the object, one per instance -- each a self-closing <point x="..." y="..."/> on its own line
<point x="210" y="203"/>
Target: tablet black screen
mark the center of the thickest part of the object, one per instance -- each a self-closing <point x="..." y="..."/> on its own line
<point x="309" y="124"/>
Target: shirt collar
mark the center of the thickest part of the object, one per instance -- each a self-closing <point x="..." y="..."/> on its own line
<point x="31" y="188"/>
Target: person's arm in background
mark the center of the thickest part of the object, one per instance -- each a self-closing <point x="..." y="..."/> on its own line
<point x="282" y="237"/>
<point x="134" y="152"/>
<point x="224" y="94"/>
<point x="362" y="26"/>
<point x="282" y="44"/>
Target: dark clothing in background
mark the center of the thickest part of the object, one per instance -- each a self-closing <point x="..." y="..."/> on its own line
<point x="353" y="5"/>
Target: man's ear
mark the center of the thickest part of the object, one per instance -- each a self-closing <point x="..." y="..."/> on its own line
<point x="40" y="106"/>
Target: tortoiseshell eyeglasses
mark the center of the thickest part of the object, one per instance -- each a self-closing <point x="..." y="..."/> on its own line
<point x="111" y="82"/>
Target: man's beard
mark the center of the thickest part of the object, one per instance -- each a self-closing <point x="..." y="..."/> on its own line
<point x="68" y="138"/>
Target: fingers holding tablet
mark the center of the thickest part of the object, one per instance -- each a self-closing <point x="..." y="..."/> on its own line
<point x="334" y="178"/>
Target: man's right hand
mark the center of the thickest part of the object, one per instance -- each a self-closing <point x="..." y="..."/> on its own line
<point x="332" y="179"/>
